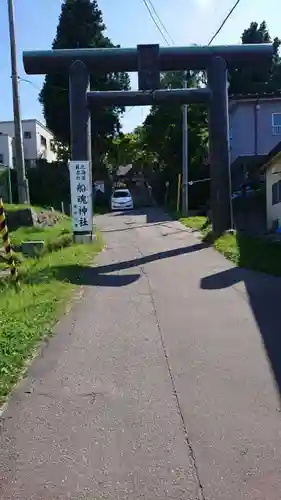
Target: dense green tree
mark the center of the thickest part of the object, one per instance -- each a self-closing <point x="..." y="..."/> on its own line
<point x="128" y="149"/>
<point x="81" y="25"/>
<point x="258" y="78"/>
<point x="162" y="134"/>
<point x="162" y="130"/>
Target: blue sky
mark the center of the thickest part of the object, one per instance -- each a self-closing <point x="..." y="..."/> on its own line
<point x="128" y="23"/>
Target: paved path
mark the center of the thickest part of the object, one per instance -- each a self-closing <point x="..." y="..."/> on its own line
<point x="161" y="383"/>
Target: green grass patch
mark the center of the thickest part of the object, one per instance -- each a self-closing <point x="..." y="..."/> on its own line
<point x="27" y="316"/>
<point x="45" y="233"/>
<point x="196" y="223"/>
<point x="13" y="207"/>
<point x="257" y="254"/>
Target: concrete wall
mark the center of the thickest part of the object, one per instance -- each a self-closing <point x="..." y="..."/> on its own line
<point x="273" y="175"/>
<point x="251" y="127"/>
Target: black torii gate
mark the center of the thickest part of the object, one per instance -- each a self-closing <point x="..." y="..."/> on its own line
<point x="149" y="61"/>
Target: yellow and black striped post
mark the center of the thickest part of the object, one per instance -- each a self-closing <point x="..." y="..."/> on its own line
<point x="7" y="245"/>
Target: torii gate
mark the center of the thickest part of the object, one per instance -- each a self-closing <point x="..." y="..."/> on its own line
<point x="149" y="61"/>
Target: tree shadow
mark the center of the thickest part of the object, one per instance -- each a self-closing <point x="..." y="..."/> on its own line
<point x="100" y="275"/>
<point x="152" y="214"/>
<point x="130" y="227"/>
<point x="264" y="293"/>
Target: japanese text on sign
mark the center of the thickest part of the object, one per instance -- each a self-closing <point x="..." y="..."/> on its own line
<point x="81" y="196"/>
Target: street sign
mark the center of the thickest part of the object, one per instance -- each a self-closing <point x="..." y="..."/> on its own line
<point x="81" y="196"/>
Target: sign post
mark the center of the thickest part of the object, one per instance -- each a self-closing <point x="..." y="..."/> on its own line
<point x="81" y="200"/>
<point x="80" y="167"/>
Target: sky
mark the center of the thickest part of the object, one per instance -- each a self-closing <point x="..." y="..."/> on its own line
<point x="128" y="24"/>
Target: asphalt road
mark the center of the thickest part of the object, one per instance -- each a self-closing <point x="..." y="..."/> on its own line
<point x="162" y="382"/>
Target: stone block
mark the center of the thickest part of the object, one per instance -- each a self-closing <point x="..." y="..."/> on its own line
<point x="32" y="248"/>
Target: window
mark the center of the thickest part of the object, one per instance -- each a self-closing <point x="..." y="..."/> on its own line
<point x="276" y="123"/>
<point x="43" y="141"/>
<point x="276" y="193"/>
<point x="1" y="158"/>
<point x="121" y="194"/>
<point x="27" y="135"/>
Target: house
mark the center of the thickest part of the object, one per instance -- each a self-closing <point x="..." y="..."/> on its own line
<point x="254" y="130"/>
<point x="6" y="150"/>
<point x="38" y="141"/>
<point x="272" y="169"/>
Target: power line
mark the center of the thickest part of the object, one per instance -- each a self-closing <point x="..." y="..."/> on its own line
<point x="152" y="12"/>
<point x="224" y="21"/>
<point x="160" y="21"/>
<point x="155" y="22"/>
<point x="56" y="87"/>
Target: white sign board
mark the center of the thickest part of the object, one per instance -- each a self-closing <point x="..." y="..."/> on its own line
<point x="81" y="196"/>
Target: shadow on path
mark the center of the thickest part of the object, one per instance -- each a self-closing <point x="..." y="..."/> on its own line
<point x="264" y="295"/>
<point x="99" y="275"/>
<point x="152" y="214"/>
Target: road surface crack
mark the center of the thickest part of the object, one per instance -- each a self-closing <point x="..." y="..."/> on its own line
<point x="201" y="495"/>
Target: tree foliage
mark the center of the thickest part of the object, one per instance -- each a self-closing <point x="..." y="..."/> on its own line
<point x="162" y="136"/>
<point x="129" y="149"/>
<point x="81" y="26"/>
<point x="258" y="78"/>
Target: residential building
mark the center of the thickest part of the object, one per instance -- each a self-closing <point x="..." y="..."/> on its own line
<point x="272" y="168"/>
<point x="38" y="140"/>
<point x="6" y="150"/>
<point x="254" y="130"/>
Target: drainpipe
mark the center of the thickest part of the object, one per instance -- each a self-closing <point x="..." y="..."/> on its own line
<point x="257" y="107"/>
<point x="256" y="125"/>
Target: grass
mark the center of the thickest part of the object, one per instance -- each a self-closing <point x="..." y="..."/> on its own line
<point x="12" y="207"/>
<point x="257" y="254"/>
<point x="48" y="234"/>
<point x="26" y="317"/>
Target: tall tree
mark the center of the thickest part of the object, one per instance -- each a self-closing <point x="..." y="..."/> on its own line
<point x="162" y="134"/>
<point x="81" y="26"/>
<point x="259" y="78"/>
<point x="129" y="149"/>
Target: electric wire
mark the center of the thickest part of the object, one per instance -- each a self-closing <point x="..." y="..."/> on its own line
<point x="224" y="21"/>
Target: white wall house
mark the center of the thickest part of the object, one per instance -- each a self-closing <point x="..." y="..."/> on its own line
<point x="273" y="188"/>
<point x="38" y="140"/>
<point x="6" y="150"/>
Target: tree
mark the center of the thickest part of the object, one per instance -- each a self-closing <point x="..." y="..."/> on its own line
<point x="257" y="79"/>
<point x="162" y="135"/>
<point x="129" y="149"/>
<point x="81" y="25"/>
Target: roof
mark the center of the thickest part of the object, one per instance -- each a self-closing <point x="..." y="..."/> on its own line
<point x="272" y="155"/>
<point x="255" y="97"/>
<point x="251" y="161"/>
<point x="3" y="134"/>
<point x="259" y="162"/>
<point x="31" y="120"/>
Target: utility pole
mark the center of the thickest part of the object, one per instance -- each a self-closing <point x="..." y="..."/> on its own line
<point x="185" y="156"/>
<point x="23" y="193"/>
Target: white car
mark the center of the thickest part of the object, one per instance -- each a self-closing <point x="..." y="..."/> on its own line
<point x="121" y="199"/>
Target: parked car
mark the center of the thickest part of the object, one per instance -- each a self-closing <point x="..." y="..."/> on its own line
<point x="121" y="199"/>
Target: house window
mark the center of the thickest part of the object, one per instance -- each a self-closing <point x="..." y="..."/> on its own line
<point x="1" y="158"/>
<point x="53" y="146"/>
<point x="27" y="135"/>
<point x="276" y="193"/>
<point x="43" y="141"/>
<point x="276" y="123"/>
